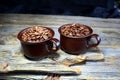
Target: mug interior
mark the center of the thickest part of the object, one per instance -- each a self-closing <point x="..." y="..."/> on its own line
<point x="19" y="36"/>
<point x="61" y="33"/>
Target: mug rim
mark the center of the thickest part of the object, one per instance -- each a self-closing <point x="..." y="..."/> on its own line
<point x="23" y="30"/>
<point x="91" y="30"/>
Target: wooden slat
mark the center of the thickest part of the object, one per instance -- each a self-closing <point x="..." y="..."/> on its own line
<point x="15" y="19"/>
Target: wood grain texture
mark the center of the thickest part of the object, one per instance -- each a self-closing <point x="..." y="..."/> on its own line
<point x="108" y="29"/>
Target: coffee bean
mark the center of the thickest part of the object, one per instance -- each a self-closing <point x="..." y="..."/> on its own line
<point x="75" y="30"/>
<point x="36" y="34"/>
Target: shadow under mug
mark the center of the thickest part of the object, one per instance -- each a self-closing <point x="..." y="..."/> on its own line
<point x="39" y="50"/>
<point x="77" y="45"/>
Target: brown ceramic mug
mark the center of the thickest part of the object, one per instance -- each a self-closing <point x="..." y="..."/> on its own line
<point x="39" y="47"/>
<point x="77" y="40"/>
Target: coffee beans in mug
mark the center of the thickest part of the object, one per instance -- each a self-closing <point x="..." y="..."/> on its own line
<point x="75" y="30"/>
<point x="37" y="42"/>
<point x="36" y="34"/>
<point x="75" y="38"/>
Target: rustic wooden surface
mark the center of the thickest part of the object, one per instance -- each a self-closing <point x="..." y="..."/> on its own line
<point x="108" y="29"/>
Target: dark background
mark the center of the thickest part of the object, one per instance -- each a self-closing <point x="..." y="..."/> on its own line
<point x="94" y="8"/>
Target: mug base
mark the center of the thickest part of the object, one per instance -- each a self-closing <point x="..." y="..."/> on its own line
<point x="73" y="52"/>
<point x="33" y="59"/>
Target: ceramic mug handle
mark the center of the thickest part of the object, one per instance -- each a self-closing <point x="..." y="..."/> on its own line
<point x="56" y="44"/>
<point x="98" y="39"/>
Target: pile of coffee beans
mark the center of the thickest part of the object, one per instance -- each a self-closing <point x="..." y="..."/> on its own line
<point x="75" y="30"/>
<point x="36" y="34"/>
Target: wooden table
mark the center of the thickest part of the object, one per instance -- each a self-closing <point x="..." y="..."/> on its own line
<point x="108" y="29"/>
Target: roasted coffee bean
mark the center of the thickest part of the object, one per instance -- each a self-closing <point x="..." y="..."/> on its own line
<point x="75" y="30"/>
<point x="36" y="34"/>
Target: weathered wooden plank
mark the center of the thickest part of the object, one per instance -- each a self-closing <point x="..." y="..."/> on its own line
<point x="88" y="76"/>
<point x="96" y="69"/>
<point x="56" y="20"/>
<point x="112" y="32"/>
<point x="27" y="16"/>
